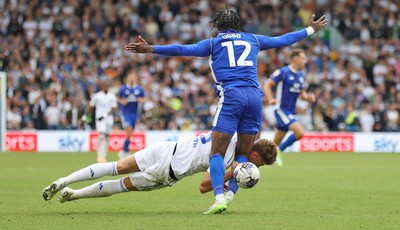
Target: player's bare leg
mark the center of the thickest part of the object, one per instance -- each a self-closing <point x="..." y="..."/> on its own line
<point x="94" y="171"/>
<point x="297" y="129"/>
<point x="220" y="142"/>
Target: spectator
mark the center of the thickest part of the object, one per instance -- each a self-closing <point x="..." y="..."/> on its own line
<point x="366" y="118"/>
<point x="14" y="118"/>
<point x="392" y="118"/>
<point x="73" y="116"/>
<point x="52" y="115"/>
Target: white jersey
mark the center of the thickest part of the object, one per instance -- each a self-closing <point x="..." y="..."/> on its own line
<point x="192" y="155"/>
<point x="103" y="103"/>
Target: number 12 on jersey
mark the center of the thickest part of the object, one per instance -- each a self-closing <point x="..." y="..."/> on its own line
<point x="231" y="53"/>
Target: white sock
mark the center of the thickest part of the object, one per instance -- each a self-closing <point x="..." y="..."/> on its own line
<point x="92" y="172"/>
<point x="229" y="195"/>
<point x="219" y="197"/>
<point x="100" y="189"/>
<point x="102" y="147"/>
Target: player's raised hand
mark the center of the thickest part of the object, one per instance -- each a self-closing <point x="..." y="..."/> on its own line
<point x="318" y="24"/>
<point x="139" y="47"/>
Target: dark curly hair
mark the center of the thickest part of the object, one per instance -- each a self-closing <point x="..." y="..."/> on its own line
<point x="226" y="19"/>
<point x="267" y="150"/>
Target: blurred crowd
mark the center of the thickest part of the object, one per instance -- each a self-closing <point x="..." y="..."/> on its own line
<point x="56" y="52"/>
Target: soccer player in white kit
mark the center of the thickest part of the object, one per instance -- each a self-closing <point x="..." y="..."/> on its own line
<point x="158" y="166"/>
<point x="105" y="103"/>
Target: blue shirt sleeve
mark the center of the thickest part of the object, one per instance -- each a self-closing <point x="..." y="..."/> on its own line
<point x="277" y="75"/>
<point x="200" y="49"/>
<point x="281" y="41"/>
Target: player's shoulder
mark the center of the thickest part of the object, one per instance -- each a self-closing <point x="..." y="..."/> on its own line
<point x="138" y="87"/>
<point x="285" y="68"/>
<point x="279" y="71"/>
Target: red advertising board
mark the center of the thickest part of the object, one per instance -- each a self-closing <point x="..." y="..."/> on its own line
<point x="327" y="142"/>
<point x="21" y="141"/>
<point x="116" y="140"/>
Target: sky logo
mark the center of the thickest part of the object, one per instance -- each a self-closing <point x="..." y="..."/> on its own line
<point x="386" y="145"/>
<point x="69" y="142"/>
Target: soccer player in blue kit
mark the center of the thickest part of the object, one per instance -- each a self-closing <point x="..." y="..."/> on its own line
<point x="289" y="86"/>
<point x="129" y="97"/>
<point x="233" y="62"/>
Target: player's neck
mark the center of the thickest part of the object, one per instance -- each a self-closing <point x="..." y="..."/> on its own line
<point x="293" y="68"/>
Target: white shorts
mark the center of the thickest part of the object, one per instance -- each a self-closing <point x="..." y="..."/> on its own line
<point x="105" y="125"/>
<point x="154" y="164"/>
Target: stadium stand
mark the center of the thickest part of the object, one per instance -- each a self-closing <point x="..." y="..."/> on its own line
<point x="55" y="52"/>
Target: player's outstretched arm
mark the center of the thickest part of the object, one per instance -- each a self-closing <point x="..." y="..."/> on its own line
<point x="200" y="49"/>
<point x="292" y="37"/>
<point x="139" y="47"/>
<point x="206" y="186"/>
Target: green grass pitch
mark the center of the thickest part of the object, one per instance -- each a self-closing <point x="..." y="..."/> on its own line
<point x="311" y="191"/>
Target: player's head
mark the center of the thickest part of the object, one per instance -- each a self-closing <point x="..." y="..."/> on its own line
<point x="263" y="152"/>
<point x="103" y="85"/>
<point x="131" y="77"/>
<point x="226" y="19"/>
<point x="298" y="58"/>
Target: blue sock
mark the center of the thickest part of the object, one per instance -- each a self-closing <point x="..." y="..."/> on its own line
<point x="291" y="139"/>
<point x="126" y="145"/>
<point x="232" y="186"/>
<point x="241" y="159"/>
<point x="217" y="172"/>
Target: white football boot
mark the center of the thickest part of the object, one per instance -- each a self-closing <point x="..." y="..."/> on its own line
<point x="66" y="194"/>
<point x="52" y="189"/>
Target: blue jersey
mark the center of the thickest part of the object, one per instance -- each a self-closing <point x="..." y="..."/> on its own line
<point x="131" y="94"/>
<point x="289" y="86"/>
<point x="232" y="54"/>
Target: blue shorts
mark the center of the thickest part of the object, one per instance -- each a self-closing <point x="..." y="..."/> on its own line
<point x="284" y="119"/>
<point x="128" y="120"/>
<point x="239" y="109"/>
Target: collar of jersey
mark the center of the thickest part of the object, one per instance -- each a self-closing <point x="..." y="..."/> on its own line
<point x="228" y="31"/>
<point x="133" y="86"/>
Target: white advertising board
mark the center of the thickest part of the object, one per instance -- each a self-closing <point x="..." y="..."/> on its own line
<point x="377" y="142"/>
<point x="62" y="141"/>
<point x="82" y="141"/>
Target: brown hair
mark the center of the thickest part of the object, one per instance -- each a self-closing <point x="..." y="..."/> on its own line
<point x="296" y="53"/>
<point x="266" y="149"/>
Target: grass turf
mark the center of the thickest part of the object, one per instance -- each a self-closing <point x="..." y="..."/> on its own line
<point x="311" y="191"/>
